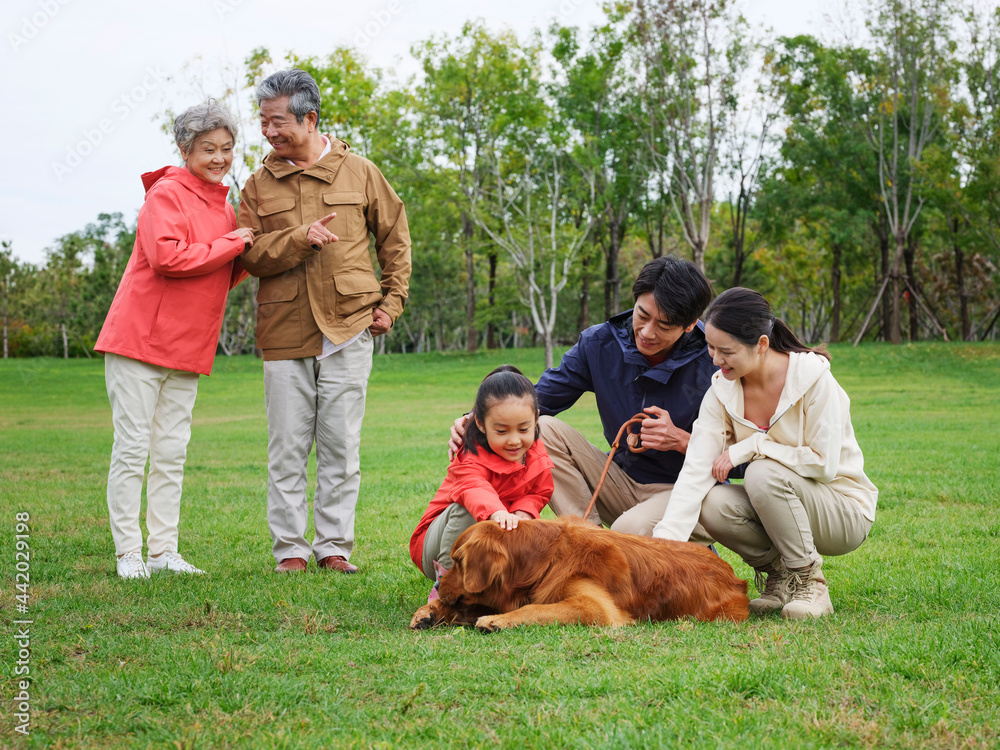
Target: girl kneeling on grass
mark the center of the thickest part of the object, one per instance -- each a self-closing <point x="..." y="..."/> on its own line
<point x="774" y="404"/>
<point x="502" y="473"/>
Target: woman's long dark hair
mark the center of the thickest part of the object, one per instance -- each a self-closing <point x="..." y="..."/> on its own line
<point x="746" y="316"/>
<point x="504" y="382"/>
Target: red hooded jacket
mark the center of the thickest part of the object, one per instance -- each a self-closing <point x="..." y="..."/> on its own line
<point x="484" y="483"/>
<point x="169" y="305"/>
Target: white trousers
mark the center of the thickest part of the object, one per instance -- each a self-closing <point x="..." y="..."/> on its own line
<point x="322" y="401"/>
<point x="151" y="410"/>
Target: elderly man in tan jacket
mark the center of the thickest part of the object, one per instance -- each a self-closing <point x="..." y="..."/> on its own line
<point x="312" y="205"/>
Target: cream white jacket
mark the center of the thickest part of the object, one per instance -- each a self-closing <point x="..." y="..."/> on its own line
<point x="810" y="433"/>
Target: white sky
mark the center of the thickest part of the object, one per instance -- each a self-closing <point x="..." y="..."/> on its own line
<point x="89" y="79"/>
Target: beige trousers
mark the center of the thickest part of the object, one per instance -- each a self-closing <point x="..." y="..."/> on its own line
<point x="778" y="513"/>
<point x="151" y="410"/>
<point x="623" y="504"/>
<point x="322" y="401"/>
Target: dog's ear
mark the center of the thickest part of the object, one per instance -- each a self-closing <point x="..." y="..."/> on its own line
<point x="484" y="561"/>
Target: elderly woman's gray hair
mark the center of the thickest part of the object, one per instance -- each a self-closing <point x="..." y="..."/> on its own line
<point x="200" y="119"/>
<point x="300" y="88"/>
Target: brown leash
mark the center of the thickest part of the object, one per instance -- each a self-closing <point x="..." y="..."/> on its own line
<point x="633" y="445"/>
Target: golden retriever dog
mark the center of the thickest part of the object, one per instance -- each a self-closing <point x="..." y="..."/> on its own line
<point x="569" y="571"/>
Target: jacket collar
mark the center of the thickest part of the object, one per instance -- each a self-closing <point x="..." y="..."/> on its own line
<point x="209" y="192"/>
<point x="325" y="169"/>
<point x="804" y="369"/>
<point x="536" y="459"/>
<point x="689" y="347"/>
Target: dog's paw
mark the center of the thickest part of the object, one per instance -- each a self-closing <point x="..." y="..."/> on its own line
<point x="489" y="624"/>
<point x="423" y="618"/>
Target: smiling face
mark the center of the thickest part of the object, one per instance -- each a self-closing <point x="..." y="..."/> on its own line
<point x="289" y="138"/>
<point x="509" y="427"/>
<point x="733" y="358"/>
<point x="211" y="155"/>
<point x="655" y="336"/>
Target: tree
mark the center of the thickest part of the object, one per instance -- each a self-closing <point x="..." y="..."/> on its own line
<point x="812" y="193"/>
<point x="522" y="205"/>
<point x="593" y="91"/>
<point x="10" y="272"/>
<point x="913" y="78"/>
<point x="468" y="95"/>
<point x="693" y="64"/>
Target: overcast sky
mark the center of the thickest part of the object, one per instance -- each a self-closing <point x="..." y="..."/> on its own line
<point x="89" y="80"/>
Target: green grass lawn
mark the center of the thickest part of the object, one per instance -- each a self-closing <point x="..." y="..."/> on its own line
<point x="242" y="657"/>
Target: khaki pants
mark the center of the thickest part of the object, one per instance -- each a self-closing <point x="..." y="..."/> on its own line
<point x="623" y="504"/>
<point x="322" y="401"/>
<point x="778" y="513"/>
<point x="151" y="410"/>
<point x="441" y="536"/>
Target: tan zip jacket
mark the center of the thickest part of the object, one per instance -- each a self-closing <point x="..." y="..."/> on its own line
<point x="810" y="433"/>
<point x="305" y="293"/>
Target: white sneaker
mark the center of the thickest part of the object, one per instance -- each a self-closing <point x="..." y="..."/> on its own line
<point x="130" y="565"/>
<point x="173" y="562"/>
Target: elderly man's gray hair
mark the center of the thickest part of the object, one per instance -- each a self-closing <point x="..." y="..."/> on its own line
<point x="200" y="119"/>
<point x="300" y="88"/>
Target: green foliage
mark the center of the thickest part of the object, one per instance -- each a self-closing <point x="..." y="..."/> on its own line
<point x="244" y="658"/>
<point x="540" y="173"/>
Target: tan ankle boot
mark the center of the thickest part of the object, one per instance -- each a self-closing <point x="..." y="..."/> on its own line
<point x="776" y="589"/>
<point x="810" y="596"/>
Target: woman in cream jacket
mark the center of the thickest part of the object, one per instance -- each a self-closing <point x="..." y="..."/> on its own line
<point x="775" y="406"/>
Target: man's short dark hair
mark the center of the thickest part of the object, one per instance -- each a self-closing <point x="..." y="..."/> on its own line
<point x="300" y="88"/>
<point x="679" y="288"/>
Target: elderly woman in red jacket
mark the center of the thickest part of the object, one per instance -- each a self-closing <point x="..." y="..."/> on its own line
<point x="162" y="331"/>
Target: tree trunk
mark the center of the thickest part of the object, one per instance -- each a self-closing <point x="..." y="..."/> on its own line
<point x="5" y="355"/>
<point x="65" y="339"/>
<point x="491" y="329"/>
<point x="890" y="309"/>
<point x="835" y="274"/>
<point x="963" y="296"/>
<point x="612" y="283"/>
<point x="471" y="334"/>
<point x="908" y="256"/>
<point x="583" y="321"/>
<point x="896" y="292"/>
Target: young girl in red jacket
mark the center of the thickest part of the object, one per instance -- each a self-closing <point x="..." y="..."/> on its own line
<point x="501" y="474"/>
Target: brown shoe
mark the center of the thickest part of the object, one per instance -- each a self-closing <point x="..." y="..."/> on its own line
<point x="338" y="563"/>
<point x="291" y="565"/>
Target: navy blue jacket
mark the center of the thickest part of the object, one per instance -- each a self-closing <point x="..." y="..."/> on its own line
<point x="606" y="361"/>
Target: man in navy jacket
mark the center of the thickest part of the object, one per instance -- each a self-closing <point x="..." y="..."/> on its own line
<point x="650" y="359"/>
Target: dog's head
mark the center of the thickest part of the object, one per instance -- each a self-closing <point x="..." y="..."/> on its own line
<point x="480" y="561"/>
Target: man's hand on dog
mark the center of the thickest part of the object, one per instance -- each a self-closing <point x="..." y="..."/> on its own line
<point x="457" y="435"/>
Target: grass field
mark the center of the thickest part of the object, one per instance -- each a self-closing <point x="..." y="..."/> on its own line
<point x="242" y="657"/>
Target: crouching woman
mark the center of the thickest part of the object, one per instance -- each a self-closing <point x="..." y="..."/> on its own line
<point x="775" y="405"/>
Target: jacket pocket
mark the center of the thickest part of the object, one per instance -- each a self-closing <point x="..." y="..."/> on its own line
<point x="357" y="294"/>
<point x="277" y="213"/>
<point x="349" y="223"/>
<point x="278" y="319"/>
